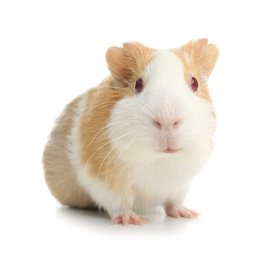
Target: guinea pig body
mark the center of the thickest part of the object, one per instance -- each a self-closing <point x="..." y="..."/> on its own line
<point x="140" y="137"/>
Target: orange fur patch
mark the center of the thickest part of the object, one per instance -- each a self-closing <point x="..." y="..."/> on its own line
<point x="128" y="63"/>
<point x="126" y="66"/>
<point x="97" y="153"/>
<point x="199" y="59"/>
<point x="59" y="174"/>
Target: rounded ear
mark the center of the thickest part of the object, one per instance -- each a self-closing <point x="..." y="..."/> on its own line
<point x="200" y="55"/>
<point x="129" y="61"/>
<point x="114" y="59"/>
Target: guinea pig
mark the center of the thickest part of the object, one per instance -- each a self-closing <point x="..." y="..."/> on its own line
<point x="138" y="139"/>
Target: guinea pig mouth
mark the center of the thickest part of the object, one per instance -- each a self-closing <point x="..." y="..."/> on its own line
<point x="169" y="150"/>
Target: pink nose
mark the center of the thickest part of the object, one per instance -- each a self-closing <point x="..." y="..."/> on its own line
<point x="167" y="124"/>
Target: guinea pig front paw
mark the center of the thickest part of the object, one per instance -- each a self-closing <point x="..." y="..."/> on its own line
<point x="178" y="211"/>
<point x="129" y="218"/>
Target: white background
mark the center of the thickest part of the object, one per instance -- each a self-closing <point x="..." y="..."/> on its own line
<point x="51" y="51"/>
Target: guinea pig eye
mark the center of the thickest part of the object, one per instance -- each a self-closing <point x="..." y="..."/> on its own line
<point x="194" y="84"/>
<point x="139" y="85"/>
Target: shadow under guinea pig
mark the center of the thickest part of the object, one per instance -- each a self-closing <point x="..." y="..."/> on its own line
<point x="96" y="219"/>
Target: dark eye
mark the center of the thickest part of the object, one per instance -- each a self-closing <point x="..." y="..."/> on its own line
<point x="194" y="84"/>
<point x="139" y="85"/>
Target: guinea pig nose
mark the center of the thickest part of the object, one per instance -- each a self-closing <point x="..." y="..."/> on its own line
<point x="157" y="124"/>
<point x="176" y="123"/>
<point x="167" y="124"/>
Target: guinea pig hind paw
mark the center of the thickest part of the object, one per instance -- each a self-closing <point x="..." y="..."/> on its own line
<point x="127" y="219"/>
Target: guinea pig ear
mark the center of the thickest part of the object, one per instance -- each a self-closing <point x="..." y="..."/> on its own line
<point x="200" y="56"/>
<point x="128" y="62"/>
<point x="115" y="61"/>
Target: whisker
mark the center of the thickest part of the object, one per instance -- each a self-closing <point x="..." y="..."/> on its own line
<point x="113" y="148"/>
<point x="109" y="160"/>
<point x="143" y="59"/>
<point x="90" y="109"/>
<point x="126" y="147"/>
<point x="115" y="128"/>
<point x="95" y="136"/>
<point x="119" y="153"/>
<point x="97" y="176"/>
<point x="120" y="88"/>
<point x="86" y="165"/>
<point x="94" y="130"/>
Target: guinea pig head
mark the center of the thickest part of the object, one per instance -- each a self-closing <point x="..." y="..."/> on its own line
<point x="168" y="111"/>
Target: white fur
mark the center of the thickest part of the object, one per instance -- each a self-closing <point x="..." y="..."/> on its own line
<point x="156" y="177"/>
<point x="73" y="147"/>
